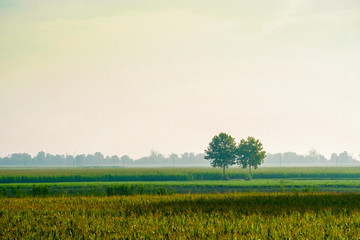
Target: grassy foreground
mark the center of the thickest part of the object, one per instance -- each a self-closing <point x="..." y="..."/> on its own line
<point x="186" y="216"/>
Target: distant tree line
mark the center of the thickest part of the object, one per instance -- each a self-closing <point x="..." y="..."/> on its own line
<point x="312" y="158"/>
<point x="98" y="159"/>
<point x="157" y="159"/>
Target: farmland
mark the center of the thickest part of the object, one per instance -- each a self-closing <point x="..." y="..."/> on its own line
<point x="172" y="187"/>
<point x="50" y="175"/>
<point x="134" y="181"/>
<point x="185" y="216"/>
<point x="179" y="203"/>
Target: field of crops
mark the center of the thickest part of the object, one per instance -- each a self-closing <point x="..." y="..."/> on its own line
<point x="290" y="203"/>
<point x="186" y="216"/>
<point x="172" y="187"/>
<point x="43" y="175"/>
<point x="24" y="182"/>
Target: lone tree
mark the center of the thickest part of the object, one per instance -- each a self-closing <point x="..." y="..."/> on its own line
<point x="250" y="153"/>
<point x="221" y="152"/>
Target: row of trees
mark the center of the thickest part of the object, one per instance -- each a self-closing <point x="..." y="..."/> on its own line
<point x="98" y="159"/>
<point x="312" y="158"/>
<point x="224" y="152"/>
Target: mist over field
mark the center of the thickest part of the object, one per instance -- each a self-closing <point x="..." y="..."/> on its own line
<point x="125" y="77"/>
<point x="180" y="119"/>
<point x="155" y="159"/>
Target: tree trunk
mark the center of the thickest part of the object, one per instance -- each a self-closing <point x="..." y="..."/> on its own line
<point x="250" y="177"/>
<point x="224" y="173"/>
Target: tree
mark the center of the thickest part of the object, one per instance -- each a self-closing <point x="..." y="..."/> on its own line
<point x="250" y="153"/>
<point x="221" y="152"/>
<point x="173" y="158"/>
<point x="126" y="160"/>
<point x="40" y="158"/>
<point x="79" y="160"/>
<point x="345" y="158"/>
<point x="115" y="160"/>
<point x="99" y="157"/>
<point x="20" y="159"/>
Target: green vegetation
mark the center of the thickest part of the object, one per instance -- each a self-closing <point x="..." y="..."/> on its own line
<point x="195" y="216"/>
<point x="132" y="181"/>
<point x="57" y="175"/>
<point x="223" y="153"/>
<point x="92" y="203"/>
<point x="172" y="187"/>
<point x="250" y="154"/>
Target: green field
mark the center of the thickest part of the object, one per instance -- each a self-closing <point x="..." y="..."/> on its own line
<point x="36" y="175"/>
<point x="184" y="216"/>
<point x="179" y="203"/>
<point x="172" y="187"/>
<point x="134" y="181"/>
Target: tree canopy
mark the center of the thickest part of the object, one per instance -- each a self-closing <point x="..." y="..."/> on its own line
<point x="221" y="151"/>
<point x="250" y="153"/>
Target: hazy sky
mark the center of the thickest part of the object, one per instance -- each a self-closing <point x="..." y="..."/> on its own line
<point x="126" y="77"/>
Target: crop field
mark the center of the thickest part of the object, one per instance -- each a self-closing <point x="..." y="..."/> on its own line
<point x="184" y="216"/>
<point x="38" y="175"/>
<point x="167" y="203"/>
<point x="137" y="181"/>
<point x="172" y="187"/>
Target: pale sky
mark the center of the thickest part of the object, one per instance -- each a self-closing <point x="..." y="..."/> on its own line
<point x="126" y="77"/>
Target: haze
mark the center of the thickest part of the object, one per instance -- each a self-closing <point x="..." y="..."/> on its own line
<point x="126" y="77"/>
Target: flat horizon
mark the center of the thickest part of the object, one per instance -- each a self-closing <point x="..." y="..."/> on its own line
<point x="128" y="77"/>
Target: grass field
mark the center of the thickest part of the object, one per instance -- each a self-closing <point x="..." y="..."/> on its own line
<point x="185" y="216"/>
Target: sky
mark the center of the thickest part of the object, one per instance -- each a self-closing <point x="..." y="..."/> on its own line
<point x="128" y="77"/>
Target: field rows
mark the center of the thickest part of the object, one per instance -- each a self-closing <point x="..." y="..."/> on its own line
<point x="170" y="187"/>
<point x="195" y="216"/>
<point x="35" y="175"/>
